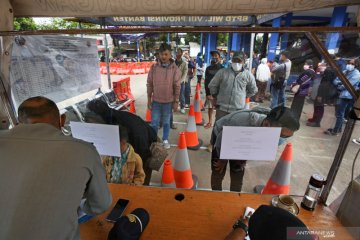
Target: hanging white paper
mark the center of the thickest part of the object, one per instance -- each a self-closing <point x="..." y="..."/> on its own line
<point x="249" y="143"/>
<point x="106" y="138"/>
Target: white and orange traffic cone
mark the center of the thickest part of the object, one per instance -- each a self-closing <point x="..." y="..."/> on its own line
<point x="148" y="116"/>
<point x="247" y="103"/>
<point x="191" y="135"/>
<point x="201" y="103"/>
<point x="132" y="107"/>
<point x="182" y="169"/>
<point x="279" y="182"/>
<point x="168" y="179"/>
<point x="198" y="116"/>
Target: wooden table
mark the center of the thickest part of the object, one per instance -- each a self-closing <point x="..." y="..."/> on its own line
<point x="201" y="215"/>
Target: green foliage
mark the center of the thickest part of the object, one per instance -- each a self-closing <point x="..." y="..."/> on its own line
<point x="60" y="23"/>
<point x="24" y="24"/>
<point x="192" y="37"/>
<point x="222" y="39"/>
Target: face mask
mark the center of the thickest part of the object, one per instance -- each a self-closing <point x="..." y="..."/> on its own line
<point x="281" y="141"/>
<point x="306" y="67"/>
<point x="214" y="61"/>
<point x="350" y="67"/>
<point x="236" y="67"/>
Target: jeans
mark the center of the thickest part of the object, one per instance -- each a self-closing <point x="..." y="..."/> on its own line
<point x="342" y="104"/>
<point x="277" y="96"/>
<point x="163" y="111"/>
<point x="184" y="94"/>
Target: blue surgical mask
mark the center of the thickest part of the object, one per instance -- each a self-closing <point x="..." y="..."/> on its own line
<point x="282" y="141"/>
<point x="350" y="67"/>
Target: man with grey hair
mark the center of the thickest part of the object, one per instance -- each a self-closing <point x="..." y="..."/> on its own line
<point x="44" y="175"/>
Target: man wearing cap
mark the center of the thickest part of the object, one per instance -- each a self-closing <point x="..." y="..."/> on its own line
<point x="231" y="86"/>
<point x="210" y="72"/>
<point x="278" y="117"/>
<point x="280" y="75"/>
<point x="270" y="223"/>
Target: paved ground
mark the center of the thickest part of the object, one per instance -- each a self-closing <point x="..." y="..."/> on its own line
<point x="313" y="151"/>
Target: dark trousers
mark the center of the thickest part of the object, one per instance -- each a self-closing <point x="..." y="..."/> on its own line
<point x="148" y="172"/>
<point x="261" y="90"/>
<point x="318" y="113"/>
<point x="297" y="105"/>
<point x="199" y="77"/>
<point x="237" y="170"/>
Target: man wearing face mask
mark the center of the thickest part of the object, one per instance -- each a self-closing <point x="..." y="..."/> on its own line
<point x="258" y="117"/>
<point x="163" y="89"/>
<point x="280" y="75"/>
<point x="345" y="99"/>
<point x="231" y="86"/>
<point x="209" y="75"/>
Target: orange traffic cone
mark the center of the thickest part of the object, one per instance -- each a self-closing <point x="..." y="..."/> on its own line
<point x="148" y="116"/>
<point x="182" y="170"/>
<point x="201" y="103"/>
<point x="132" y="107"/>
<point x="247" y="103"/>
<point x="279" y="182"/>
<point x="168" y="179"/>
<point x="191" y="136"/>
<point x="197" y="108"/>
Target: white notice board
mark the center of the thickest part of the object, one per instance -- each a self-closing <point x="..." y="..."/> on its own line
<point x="249" y="143"/>
<point x="106" y="138"/>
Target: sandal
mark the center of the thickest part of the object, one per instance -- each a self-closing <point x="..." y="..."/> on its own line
<point x="208" y="125"/>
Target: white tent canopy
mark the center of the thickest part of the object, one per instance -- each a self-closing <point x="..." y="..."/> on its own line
<point x="103" y="8"/>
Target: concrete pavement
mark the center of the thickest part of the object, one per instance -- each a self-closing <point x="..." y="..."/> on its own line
<point x="313" y="151"/>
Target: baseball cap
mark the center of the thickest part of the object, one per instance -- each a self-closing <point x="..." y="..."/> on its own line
<point x="285" y="117"/>
<point x="273" y="223"/>
<point x="130" y="227"/>
<point x="239" y="55"/>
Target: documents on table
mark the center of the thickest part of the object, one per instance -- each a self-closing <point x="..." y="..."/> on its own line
<point x="106" y="138"/>
<point x="249" y="143"/>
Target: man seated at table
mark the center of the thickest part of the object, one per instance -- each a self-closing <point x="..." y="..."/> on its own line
<point x="278" y="117"/>
<point x="126" y="169"/>
<point x="270" y="223"/>
<point x="44" y="175"/>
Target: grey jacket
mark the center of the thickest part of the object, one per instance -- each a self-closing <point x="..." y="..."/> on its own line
<point x="231" y="90"/>
<point x="238" y="118"/>
<point x="279" y="69"/>
<point x="43" y="177"/>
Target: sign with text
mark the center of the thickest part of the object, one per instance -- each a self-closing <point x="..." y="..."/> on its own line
<point x="249" y="143"/>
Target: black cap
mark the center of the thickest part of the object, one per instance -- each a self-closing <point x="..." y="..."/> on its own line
<point x="130" y="227"/>
<point x="317" y="180"/>
<point x="284" y="117"/>
<point x="273" y="223"/>
<point x="215" y="52"/>
<point x="309" y="62"/>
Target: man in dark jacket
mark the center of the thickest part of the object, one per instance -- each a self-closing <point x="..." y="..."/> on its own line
<point x="327" y="93"/>
<point x="209" y="74"/>
<point x="141" y="134"/>
<point x="304" y="82"/>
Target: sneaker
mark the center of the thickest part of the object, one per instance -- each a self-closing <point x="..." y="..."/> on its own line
<point x="331" y="132"/>
<point x="166" y="144"/>
<point x="313" y="124"/>
<point x="182" y="111"/>
<point x="356" y="141"/>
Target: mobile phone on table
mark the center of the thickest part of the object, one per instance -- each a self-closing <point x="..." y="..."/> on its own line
<point x="118" y="210"/>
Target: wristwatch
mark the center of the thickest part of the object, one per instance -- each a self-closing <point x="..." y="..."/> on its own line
<point x="240" y="224"/>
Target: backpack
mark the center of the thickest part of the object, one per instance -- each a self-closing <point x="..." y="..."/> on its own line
<point x="279" y="80"/>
